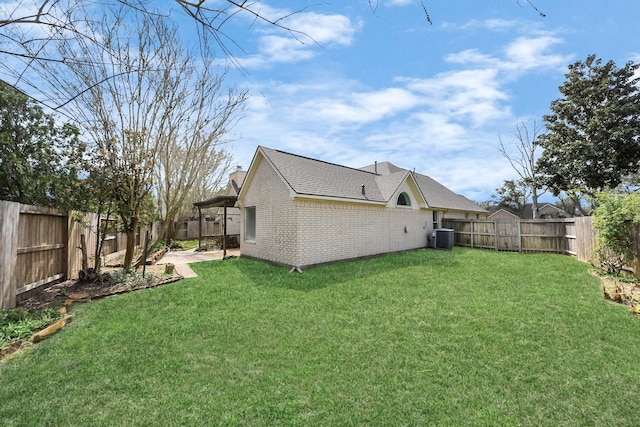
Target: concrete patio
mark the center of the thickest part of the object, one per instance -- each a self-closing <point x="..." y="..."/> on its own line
<point x="182" y="259"/>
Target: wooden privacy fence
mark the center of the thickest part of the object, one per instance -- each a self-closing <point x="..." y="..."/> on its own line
<point x="189" y="230"/>
<point x="571" y="236"/>
<point x="40" y="246"/>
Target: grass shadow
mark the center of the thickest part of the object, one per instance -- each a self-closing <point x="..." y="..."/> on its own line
<point x="265" y="275"/>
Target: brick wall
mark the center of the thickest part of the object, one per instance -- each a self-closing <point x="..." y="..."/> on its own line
<point x="331" y="231"/>
<point x="275" y="223"/>
<point x="303" y="231"/>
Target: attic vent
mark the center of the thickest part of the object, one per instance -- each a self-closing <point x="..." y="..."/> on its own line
<point x="404" y="200"/>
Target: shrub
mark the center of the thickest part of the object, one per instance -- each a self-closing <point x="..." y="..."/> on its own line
<point x="617" y="221"/>
<point x="130" y="278"/>
<point x="18" y="323"/>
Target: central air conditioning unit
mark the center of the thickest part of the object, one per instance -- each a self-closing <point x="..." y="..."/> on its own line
<point x="443" y="238"/>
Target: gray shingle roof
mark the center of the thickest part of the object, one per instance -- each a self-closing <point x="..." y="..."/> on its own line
<point x="313" y="177"/>
<point x="439" y="196"/>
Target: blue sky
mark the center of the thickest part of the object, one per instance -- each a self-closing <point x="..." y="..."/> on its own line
<point x="386" y="85"/>
<point x="362" y="85"/>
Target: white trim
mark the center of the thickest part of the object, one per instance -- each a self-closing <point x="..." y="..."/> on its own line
<point x="297" y="196"/>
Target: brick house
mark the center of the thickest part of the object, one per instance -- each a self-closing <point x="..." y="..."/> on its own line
<point x="298" y="212"/>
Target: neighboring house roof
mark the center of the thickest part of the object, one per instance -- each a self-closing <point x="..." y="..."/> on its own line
<point x="544" y="209"/>
<point x="311" y="177"/>
<point x="230" y="195"/>
<point x="235" y="182"/>
<point x="502" y="212"/>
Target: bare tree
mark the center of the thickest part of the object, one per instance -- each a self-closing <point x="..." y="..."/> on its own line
<point x="522" y="154"/>
<point x="141" y="96"/>
<point x="196" y="157"/>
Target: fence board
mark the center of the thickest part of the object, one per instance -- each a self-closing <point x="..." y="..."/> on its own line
<point x="40" y="246"/>
<point x="508" y="236"/>
<point x="188" y="230"/>
<point x="572" y="236"/>
<point x="9" y="216"/>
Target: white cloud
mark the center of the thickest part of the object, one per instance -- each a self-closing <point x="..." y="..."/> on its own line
<point x="399" y="2"/>
<point x="299" y="36"/>
<point x="519" y="56"/>
<point x="445" y="125"/>
<point x="360" y="107"/>
<point x="488" y="24"/>
<point x="324" y="29"/>
<point x="526" y="53"/>
<point x="473" y="95"/>
<point x="470" y="56"/>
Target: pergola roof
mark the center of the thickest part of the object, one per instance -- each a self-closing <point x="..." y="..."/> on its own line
<point x="217" y="202"/>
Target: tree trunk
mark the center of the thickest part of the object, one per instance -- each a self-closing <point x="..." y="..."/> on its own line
<point x="635" y="239"/>
<point x="131" y="243"/>
<point x="534" y="204"/>
<point x="169" y="234"/>
<point x="85" y="256"/>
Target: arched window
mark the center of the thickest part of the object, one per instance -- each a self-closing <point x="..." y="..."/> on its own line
<point x="404" y="200"/>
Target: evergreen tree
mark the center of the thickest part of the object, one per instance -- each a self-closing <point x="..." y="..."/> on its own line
<point x="592" y="141"/>
<point x="40" y="161"/>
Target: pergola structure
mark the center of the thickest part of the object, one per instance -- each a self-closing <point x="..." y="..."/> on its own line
<point x="216" y="202"/>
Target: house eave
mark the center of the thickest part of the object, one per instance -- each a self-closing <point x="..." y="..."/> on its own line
<point x="314" y="197"/>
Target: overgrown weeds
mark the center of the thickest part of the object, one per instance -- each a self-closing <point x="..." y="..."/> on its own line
<point x="20" y="324"/>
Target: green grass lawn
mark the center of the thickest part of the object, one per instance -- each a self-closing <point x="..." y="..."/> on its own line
<point x="467" y="337"/>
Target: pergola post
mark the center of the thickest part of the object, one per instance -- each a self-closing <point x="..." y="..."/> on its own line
<point x="216" y="202"/>
<point x="224" y="237"/>
<point x="199" y="228"/>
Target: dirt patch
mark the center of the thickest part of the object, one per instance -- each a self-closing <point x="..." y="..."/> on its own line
<point x="12" y="347"/>
<point x="621" y="291"/>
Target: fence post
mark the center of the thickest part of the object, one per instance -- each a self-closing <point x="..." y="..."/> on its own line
<point x="70" y="240"/>
<point x="519" y="235"/>
<point x="473" y="230"/>
<point x="9" y="223"/>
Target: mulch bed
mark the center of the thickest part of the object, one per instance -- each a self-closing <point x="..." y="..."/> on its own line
<point x="57" y="294"/>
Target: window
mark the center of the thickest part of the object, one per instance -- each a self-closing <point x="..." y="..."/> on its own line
<point x="404" y="200"/>
<point x="250" y="223"/>
<point x="435" y="219"/>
